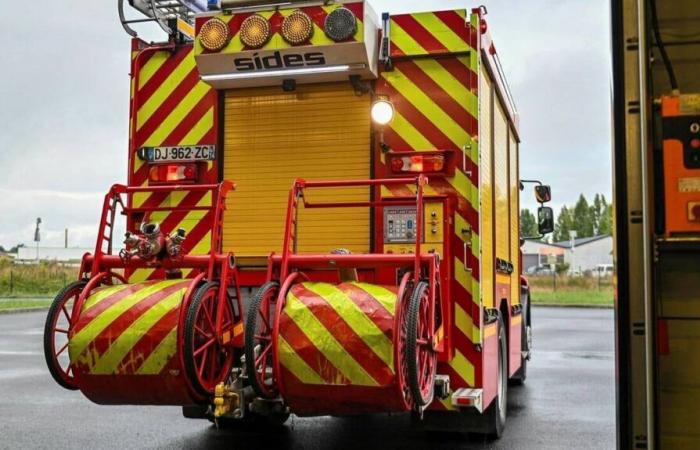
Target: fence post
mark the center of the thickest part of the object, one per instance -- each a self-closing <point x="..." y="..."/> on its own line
<point x="12" y="281"/>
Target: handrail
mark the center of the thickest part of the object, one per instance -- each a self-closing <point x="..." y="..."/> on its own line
<point x="297" y="192"/>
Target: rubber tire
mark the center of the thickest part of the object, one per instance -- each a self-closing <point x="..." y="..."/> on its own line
<point x="411" y="338"/>
<point x="495" y="417"/>
<point x="54" y="309"/>
<point x="192" y="308"/>
<point x="521" y="375"/>
<point x="249" y="336"/>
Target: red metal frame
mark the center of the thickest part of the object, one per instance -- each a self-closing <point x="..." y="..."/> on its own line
<point x="99" y="268"/>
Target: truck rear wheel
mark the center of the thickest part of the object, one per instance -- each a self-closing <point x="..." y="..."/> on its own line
<point x="525" y="344"/>
<point x="496" y="412"/>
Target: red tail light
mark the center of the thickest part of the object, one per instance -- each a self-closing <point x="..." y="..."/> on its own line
<point x="430" y="163"/>
<point x="173" y="173"/>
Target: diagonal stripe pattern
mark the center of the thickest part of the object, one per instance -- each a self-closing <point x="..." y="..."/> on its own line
<point x="133" y="333"/>
<point x="170" y="106"/>
<point x="434" y="87"/>
<point x="339" y="335"/>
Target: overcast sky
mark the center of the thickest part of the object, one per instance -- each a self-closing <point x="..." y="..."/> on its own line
<point x="65" y="92"/>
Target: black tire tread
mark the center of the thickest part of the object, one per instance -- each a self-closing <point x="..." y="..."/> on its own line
<point x="189" y="335"/>
<point x="411" y="345"/>
<point x="249" y="336"/>
<point x="54" y="309"/>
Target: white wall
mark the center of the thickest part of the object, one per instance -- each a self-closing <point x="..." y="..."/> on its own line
<point x="588" y="256"/>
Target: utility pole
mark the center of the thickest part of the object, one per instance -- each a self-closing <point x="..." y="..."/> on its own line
<point x="572" y="236"/>
<point x="37" y="237"/>
<point x="65" y="243"/>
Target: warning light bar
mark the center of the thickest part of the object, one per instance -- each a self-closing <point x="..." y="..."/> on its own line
<point x="173" y="173"/>
<point x="435" y="162"/>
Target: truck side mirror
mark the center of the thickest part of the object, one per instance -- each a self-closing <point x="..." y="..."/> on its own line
<point x="543" y="193"/>
<point x="545" y="220"/>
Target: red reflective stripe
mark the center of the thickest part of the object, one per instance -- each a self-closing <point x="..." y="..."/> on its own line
<point x="149" y="342"/>
<point x="160" y="76"/>
<point x="372" y="308"/>
<point x="190" y="121"/>
<point x="419" y="33"/>
<point x="336" y="325"/>
<point x="176" y="96"/>
<point x="103" y="341"/>
<point x="308" y="352"/>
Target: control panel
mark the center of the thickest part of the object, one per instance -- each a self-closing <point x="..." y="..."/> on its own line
<point x="400" y="228"/>
<point x="681" y="161"/>
<point x="399" y="224"/>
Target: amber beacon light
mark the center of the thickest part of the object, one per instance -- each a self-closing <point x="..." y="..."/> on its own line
<point x="341" y="24"/>
<point x="255" y="31"/>
<point x="214" y="35"/>
<point x="297" y="28"/>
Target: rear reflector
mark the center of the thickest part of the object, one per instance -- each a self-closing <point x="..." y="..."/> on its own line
<point x="173" y="173"/>
<point x="418" y="163"/>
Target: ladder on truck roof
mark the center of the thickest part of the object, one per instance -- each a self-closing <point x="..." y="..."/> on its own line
<point x="171" y="15"/>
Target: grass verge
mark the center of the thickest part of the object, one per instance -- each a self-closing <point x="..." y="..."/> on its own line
<point x="9" y="304"/>
<point x="588" y="297"/>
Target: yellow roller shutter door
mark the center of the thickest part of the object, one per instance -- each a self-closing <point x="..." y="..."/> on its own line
<point x="272" y="137"/>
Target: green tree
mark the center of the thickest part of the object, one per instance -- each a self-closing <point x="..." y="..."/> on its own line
<point x="528" y="224"/>
<point x="583" y="220"/>
<point x="564" y="225"/>
<point x="605" y="225"/>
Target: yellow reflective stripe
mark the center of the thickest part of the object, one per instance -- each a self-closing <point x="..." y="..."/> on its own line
<point x="463" y="367"/>
<point x="440" y="31"/>
<point x="383" y="295"/>
<point x="295" y="364"/>
<point x="326" y="343"/>
<point x="410" y="134"/>
<point x="159" y="358"/>
<point x="140" y="275"/>
<point x="108" y="363"/>
<point x="84" y="337"/>
<point x="101" y="294"/>
<point x="149" y="69"/>
<point x="203" y="126"/>
<point x="177" y="115"/>
<point x="464" y="322"/>
<point x="427" y="106"/>
<point x="203" y="246"/>
<point x="405" y="41"/>
<point x="362" y="325"/>
<point x="452" y="87"/>
<point x="166" y="88"/>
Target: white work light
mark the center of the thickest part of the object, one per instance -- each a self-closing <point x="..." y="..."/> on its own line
<point x="382" y="112"/>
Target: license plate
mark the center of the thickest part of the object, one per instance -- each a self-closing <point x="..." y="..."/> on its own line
<point x="179" y="153"/>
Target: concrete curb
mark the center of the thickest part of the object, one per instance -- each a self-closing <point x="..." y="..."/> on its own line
<point x="23" y="310"/>
<point x="560" y="305"/>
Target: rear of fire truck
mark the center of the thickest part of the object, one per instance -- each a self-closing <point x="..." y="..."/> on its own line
<point x="263" y="94"/>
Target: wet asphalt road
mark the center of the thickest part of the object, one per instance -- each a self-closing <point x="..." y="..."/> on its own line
<point x="567" y="402"/>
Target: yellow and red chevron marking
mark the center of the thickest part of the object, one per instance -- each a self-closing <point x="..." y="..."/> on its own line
<point x="434" y="88"/>
<point x="431" y="33"/>
<point x="338" y="335"/>
<point x="318" y="16"/>
<point x="170" y="106"/>
<point x="128" y="329"/>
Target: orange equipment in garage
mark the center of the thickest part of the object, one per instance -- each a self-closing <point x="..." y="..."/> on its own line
<point x="681" y="161"/>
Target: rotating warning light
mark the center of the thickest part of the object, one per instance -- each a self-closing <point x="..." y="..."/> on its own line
<point x="255" y="31"/>
<point x="341" y="24"/>
<point x="297" y="28"/>
<point x="214" y="35"/>
<point x="382" y="111"/>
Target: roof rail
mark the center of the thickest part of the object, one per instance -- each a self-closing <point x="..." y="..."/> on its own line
<point x="171" y="15"/>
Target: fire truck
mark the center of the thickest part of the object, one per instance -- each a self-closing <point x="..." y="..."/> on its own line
<point x="364" y="256"/>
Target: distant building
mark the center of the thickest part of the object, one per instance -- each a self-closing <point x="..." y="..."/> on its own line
<point x="28" y="254"/>
<point x="586" y="254"/>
